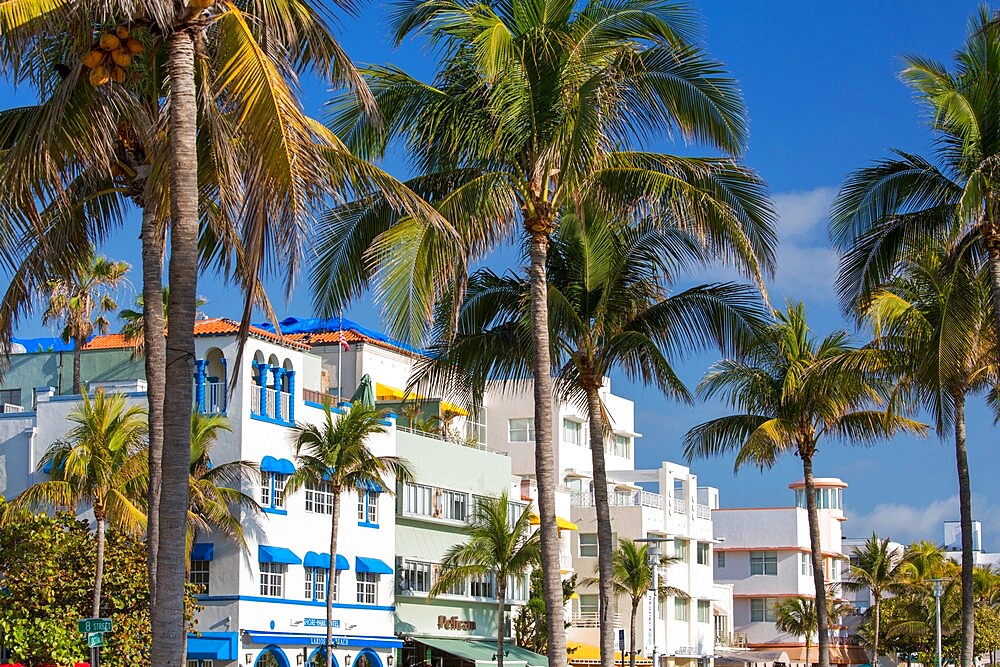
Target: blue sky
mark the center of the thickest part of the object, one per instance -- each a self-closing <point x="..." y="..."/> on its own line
<point x="820" y="82"/>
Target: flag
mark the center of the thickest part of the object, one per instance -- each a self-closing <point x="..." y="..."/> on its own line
<point x="343" y="341"/>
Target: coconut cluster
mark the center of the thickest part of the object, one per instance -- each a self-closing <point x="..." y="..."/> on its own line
<point x="111" y="55"/>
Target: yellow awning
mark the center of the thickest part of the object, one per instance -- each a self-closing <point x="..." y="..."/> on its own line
<point x="564" y="524"/>
<point x="585" y="653"/>
<point x="384" y="392"/>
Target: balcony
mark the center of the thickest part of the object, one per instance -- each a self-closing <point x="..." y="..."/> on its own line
<point x="271" y="405"/>
<point x="621" y="499"/>
<point x="679" y="505"/>
<point x="731" y="640"/>
<point x="591" y="619"/>
<point x="703" y="511"/>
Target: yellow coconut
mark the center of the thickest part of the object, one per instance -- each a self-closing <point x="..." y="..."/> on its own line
<point x="99" y="76"/>
<point x="133" y="46"/>
<point x="93" y="58"/>
<point x="117" y="73"/>
<point x="122" y="32"/>
<point x="121" y="58"/>
<point x="109" y="41"/>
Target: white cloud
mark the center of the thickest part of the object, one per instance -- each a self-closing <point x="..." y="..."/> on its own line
<point x="806" y="265"/>
<point x="907" y="523"/>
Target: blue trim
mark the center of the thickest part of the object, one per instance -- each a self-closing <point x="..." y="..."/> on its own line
<point x="365" y="524"/>
<point x="305" y="603"/>
<point x="272" y="554"/>
<point x="279" y="655"/>
<point x="17" y="415"/>
<point x="320" y="406"/>
<point x="272" y="510"/>
<point x="368" y="485"/>
<point x="385" y="422"/>
<point x="271" y="464"/>
<point x="372" y="656"/>
<point x="213" y="646"/>
<point x="203" y="551"/>
<point x="391" y="415"/>
<point x="269" y="420"/>
<point x="372" y="565"/>
<point x="365" y="643"/>
<point x="313" y="559"/>
<point x="77" y="397"/>
<point x="318" y="653"/>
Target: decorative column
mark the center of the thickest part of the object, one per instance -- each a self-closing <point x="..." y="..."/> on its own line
<point x="225" y="385"/>
<point x="291" y="397"/>
<point x="262" y="381"/>
<point x="199" y="384"/>
<point x="278" y="372"/>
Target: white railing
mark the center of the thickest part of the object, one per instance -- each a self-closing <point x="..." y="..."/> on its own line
<point x="286" y="405"/>
<point x="654" y="500"/>
<point x="592" y="619"/>
<point x="703" y="511"/>
<point x="11" y="408"/>
<point x="680" y="505"/>
<point x="255" y="390"/>
<point x="621" y="499"/>
<point x="273" y="401"/>
<point x="215" y="398"/>
<point x="437" y="435"/>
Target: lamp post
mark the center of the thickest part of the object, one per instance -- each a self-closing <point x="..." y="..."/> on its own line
<point x="653" y="554"/>
<point x="938" y="592"/>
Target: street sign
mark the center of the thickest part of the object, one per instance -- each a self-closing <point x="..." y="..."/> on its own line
<point x="89" y="625"/>
<point x="95" y="639"/>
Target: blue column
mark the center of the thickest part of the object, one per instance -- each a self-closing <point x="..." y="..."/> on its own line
<point x="291" y="400"/>
<point x="278" y="372"/>
<point x="225" y="385"/>
<point x="199" y="384"/>
<point x="262" y="381"/>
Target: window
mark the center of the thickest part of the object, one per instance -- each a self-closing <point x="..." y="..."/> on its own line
<point x="835" y="569"/>
<point x="368" y="508"/>
<point x="418" y="500"/>
<point x="319" y="497"/>
<point x="704" y="553"/>
<point x="367" y="588"/>
<point x="521" y="429"/>
<point x="482" y="586"/>
<point x="763" y="562"/>
<point x="623" y="446"/>
<point x="416" y="576"/>
<point x="588" y="545"/>
<point x="316" y="578"/>
<point x="762" y="610"/>
<point x="12" y="396"/>
<point x="200" y="574"/>
<point x="475" y="425"/>
<point x="454" y="505"/>
<point x="589" y="604"/>
<point x="518" y="588"/>
<point x="514" y="512"/>
<point x="681" y="550"/>
<point x="680" y="609"/>
<point x="704" y="611"/>
<point x="272" y="490"/>
<point x="272" y="580"/>
<point x="572" y="432"/>
<point x="805" y="564"/>
<point x="720" y="558"/>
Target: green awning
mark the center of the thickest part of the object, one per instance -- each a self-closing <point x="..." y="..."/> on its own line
<point x="483" y="652"/>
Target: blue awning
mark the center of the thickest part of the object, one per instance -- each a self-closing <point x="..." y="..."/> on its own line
<point x="271" y="464"/>
<point x="322" y="560"/>
<point x="203" y="551"/>
<point x="373" y="565"/>
<point x="269" y="554"/>
<point x="368" y="485"/>
<point x="212" y="646"/>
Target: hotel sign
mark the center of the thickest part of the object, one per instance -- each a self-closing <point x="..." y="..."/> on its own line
<point x="454" y="623"/>
<point x="319" y="623"/>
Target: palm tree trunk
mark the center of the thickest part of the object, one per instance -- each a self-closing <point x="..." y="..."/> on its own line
<point x="78" y="344"/>
<point x="965" y="512"/>
<point x="501" y="603"/>
<point x="604" y="536"/>
<point x="878" y="628"/>
<point x="809" y="648"/>
<point x="154" y="344"/>
<point x="822" y="623"/>
<point x="991" y="239"/>
<point x="631" y="633"/>
<point x="169" y="638"/>
<point x="334" y="527"/>
<point x="99" y="568"/>
<point x="545" y="465"/>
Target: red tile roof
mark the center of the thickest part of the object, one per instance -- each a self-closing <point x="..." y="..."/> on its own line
<point x="110" y="342"/>
<point x="218" y="326"/>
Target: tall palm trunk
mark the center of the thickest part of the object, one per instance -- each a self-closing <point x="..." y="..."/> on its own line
<point x="501" y="603"/>
<point x="816" y="549"/>
<point x="99" y="568"/>
<point x="809" y="648"/>
<point x="604" y="537"/>
<point x="631" y="632"/>
<point x="878" y="626"/>
<point x="78" y="344"/>
<point x="545" y="465"/>
<point x="154" y="344"/>
<point x="965" y="512"/>
<point x="332" y="572"/>
<point x="991" y="239"/>
<point x="168" y="615"/>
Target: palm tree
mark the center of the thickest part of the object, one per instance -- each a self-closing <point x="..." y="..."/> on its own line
<point x="500" y="546"/>
<point x="797" y="616"/>
<point x="936" y="315"/>
<point x="879" y="569"/>
<point x="216" y="499"/>
<point x="881" y="208"/>
<point x="336" y="453"/>
<point x="609" y="309"/>
<point x="537" y="107"/>
<point x="134" y="321"/>
<point x="102" y="463"/>
<point x="791" y="391"/>
<point x="634" y="574"/>
<point x="81" y="299"/>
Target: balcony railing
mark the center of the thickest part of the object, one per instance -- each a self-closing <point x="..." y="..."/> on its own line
<point x="731" y="640"/>
<point x="215" y="398"/>
<point x="680" y="506"/>
<point x="621" y="499"/>
<point x="591" y="619"/>
<point x="270" y="404"/>
<point x="703" y="511"/>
